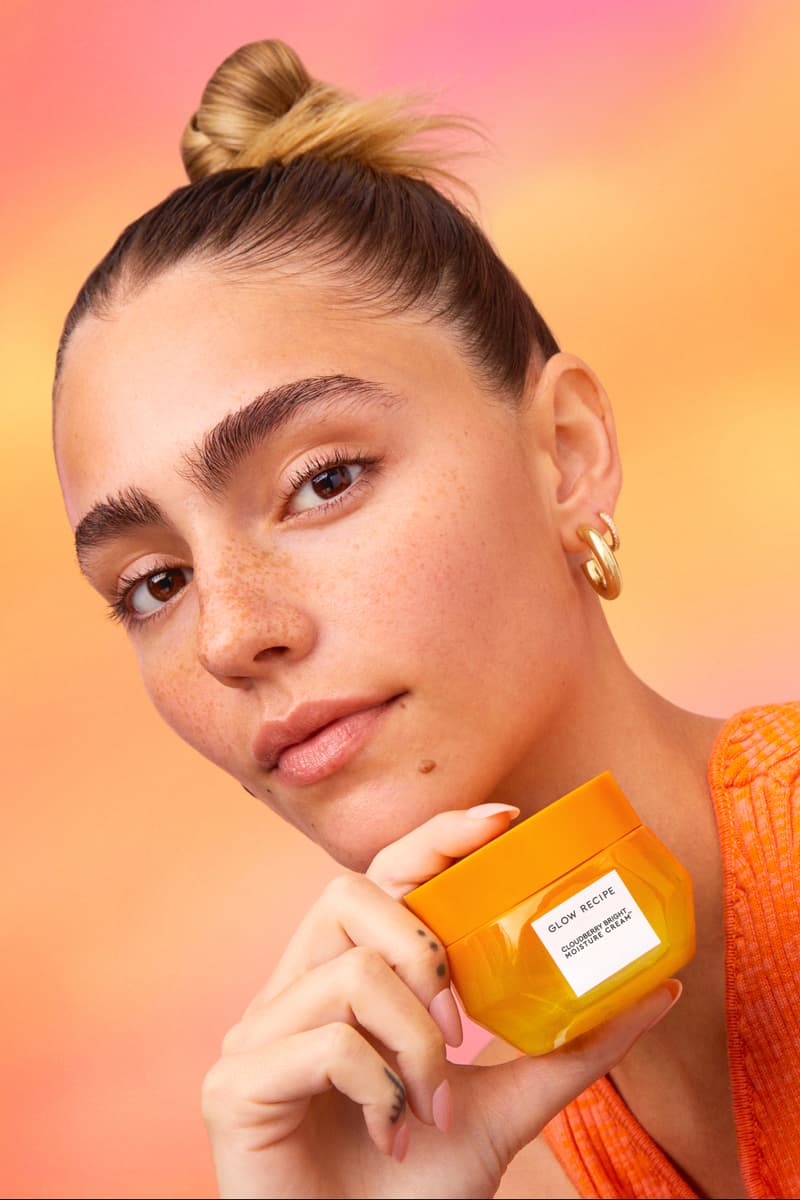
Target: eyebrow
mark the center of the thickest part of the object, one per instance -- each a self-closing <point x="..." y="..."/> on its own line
<point x="209" y="465"/>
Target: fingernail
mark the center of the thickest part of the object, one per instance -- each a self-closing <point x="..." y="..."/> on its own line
<point x="444" y="1011"/>
<point x="442" y="1105"/>
<point x="400" y="1145"/>
<point x="480" y="811"/>
<point x="673" y="988"/>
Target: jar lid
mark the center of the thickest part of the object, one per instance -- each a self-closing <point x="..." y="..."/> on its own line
<point x="542" y="848"/>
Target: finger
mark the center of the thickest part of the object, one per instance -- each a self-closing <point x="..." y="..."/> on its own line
<point x="518" y="1098"/>
<point x="265" y="1091"/>
<point x="358" y="988"/>
<point x="354" y="911"/>
<point x="427" y="850"/>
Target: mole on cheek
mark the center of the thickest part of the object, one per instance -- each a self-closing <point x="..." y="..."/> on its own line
<point x="426" y="766"/>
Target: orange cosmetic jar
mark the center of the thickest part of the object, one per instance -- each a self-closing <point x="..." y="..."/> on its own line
<point x="563" y="921"/>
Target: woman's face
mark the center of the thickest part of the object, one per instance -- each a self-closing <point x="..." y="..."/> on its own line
<point x="391" y="540"/>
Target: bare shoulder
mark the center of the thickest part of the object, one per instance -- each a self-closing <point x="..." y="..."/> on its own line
<point x="535" y="1171"/>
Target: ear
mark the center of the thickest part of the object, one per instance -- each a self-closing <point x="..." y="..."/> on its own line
<point x="574" y="433"/>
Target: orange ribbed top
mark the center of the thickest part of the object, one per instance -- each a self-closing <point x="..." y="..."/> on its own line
<point x="754" y="776"/>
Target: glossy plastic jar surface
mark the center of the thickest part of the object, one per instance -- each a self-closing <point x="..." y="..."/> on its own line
<point x="576" y="948"/>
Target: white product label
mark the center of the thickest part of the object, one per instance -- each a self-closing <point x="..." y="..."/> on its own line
<point x="595" y="933"/>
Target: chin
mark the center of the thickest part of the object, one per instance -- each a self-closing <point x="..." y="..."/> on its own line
<point x="350" y="861"/>
<point x="354" y="851"/>
<point x="352" y="839"/>
<point x="355" y="816"/>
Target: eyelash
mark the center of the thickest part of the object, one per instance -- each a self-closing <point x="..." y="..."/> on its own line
<point x="118" y="610"/>
<point x="323" y="462"/>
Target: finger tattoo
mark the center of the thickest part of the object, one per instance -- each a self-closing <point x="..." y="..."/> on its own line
<point x="399" y="1096"/>
<point x="441" y="969"/>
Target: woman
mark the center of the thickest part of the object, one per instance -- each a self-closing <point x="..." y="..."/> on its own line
<point x="328" y="465"/>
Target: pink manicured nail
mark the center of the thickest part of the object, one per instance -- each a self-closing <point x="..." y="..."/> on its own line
<point x="442" y="1105"/>
<point x="444" y="1011"/>
<point x="480" y="811"/>
<point x="401" y="1140"/>
<point x="675" y="988"/>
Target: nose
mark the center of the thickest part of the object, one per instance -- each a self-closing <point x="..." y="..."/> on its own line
<point x="245" y="628"/>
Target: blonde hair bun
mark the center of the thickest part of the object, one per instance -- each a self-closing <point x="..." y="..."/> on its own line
<point x="261" y="105"/>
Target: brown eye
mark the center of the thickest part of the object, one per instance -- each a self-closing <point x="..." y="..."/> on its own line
<point x="154" y="590"/>
<point x="164" y="585"/>
<point x="326" y="485"/>
<point x="331" y="482"/>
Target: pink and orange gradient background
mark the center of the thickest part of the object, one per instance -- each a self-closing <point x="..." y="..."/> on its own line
<point x="645" y="186"/>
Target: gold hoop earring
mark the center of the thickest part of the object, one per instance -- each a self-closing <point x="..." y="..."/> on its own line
<point x="602" y="569"/>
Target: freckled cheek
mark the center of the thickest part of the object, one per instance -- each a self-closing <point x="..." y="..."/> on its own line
<point x="185" y="696"/>
<point x="444" y="575"/>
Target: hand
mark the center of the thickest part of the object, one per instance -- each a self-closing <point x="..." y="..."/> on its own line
<point x="335" y="1081"/>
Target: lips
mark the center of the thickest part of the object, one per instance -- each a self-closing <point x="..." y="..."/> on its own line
<point x="307" y="719"/>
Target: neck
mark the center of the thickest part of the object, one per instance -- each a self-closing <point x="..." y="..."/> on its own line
<point x="658" y="753"/>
